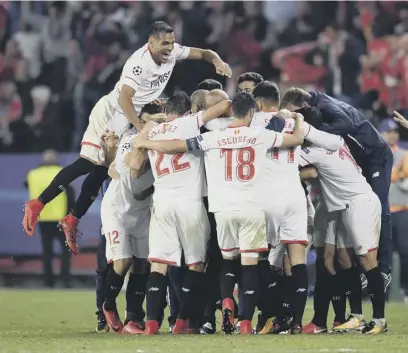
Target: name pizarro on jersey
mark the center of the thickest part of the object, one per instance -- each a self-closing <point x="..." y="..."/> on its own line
<point x="161" y="79"/>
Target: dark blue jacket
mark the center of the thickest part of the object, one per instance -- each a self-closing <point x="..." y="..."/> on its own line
<point x="364" y="141"/>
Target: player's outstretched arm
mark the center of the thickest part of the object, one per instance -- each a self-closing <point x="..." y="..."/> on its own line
<point x="322" y="139"/>
<point x="215" y="111"/>
<point x="399" y="118"/>
<point x="297" y="137"/>
<point x="308" y="173"/>
<point x="125" y="101"/>
<point x="212" y="57"/>
<point x="164" y="146"/>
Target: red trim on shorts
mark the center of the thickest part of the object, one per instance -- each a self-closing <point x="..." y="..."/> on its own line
<point x="194" y="263"/>
<point x="304" y="242"/>
<point x="160" y="261"/>
<point x="254" y="250"/>
<point x="373" y="249"/>
<point x="229" y="250"/>
<point x="90" y="144"/>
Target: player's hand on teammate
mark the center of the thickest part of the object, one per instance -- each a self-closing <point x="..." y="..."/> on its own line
<point x="137" y="141"/>
<point x="286" y="114"/>
<point x="110" y="139"/>
<point x="222" y="68"/>
<point x="160" y="101"/>
<point x="399" y="118"/>
<point x="112" y="172"/>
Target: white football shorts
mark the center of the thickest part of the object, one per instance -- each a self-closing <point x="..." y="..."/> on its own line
<point x="241" y="232"/>
<point x="176" y="228"/>
<point x="92" y="144"/>
<point x="126" y="237"/>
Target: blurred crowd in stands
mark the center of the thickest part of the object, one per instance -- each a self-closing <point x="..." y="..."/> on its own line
<point x="58" y="58"/>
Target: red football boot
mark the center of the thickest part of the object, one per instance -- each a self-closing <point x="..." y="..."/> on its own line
<point x="133" y="327"/>
<point x="152" y="328"/>
<point x="32" y="210"/>
<point x="311" y="328"/>
<point x="228" y="311"/>
<point x="69" y="226"/>
<point x="181" y="327"/>
<point x="113" y="319"/>
<point x="245" y="327"/>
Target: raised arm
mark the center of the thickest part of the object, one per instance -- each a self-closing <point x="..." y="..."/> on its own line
<point x="212" y="57"/>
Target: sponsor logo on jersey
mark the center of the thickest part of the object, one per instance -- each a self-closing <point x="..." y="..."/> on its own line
<point x="160" y="80"/>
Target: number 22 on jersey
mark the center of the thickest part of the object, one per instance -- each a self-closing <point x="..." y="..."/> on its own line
<point x="245" y="168"/>
<point x="176" y="164"/>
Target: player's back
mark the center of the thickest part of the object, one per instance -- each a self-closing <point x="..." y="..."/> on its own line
<point x="179" y="175"/>
<point x="234" y="166"/>
<point x="120" y="193"/>
<point x="261" y="119"/>
<point x="340" y="176"/>
<point x="282" y="163"/>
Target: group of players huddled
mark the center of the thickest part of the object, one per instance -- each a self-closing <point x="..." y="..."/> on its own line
<point x="209" y="191"/>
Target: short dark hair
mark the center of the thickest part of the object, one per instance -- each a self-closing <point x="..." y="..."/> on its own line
<point x="159" y="27"/>
<point x="267" y="90"/>
<point x="152" y="109"/>
<point x="209" y="84"/>
<point x="179" y="103"/>
<point x="295" y="96"/>
<point x="242" y="103"/>
<point x="250" y="76"/>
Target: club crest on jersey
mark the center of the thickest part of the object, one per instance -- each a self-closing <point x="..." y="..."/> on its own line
<point x="137" y="70"/>
<point x="236" y="132"/>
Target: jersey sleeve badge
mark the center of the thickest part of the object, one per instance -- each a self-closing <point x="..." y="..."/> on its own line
<point x="137" y="70"/>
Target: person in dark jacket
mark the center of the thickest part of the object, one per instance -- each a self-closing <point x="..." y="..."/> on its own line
<point x="367" y="146"/>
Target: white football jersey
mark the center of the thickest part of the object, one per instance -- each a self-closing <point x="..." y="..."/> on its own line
<point x="261" y="119"/>
<point x="179" y="175"/>
<point x="339" y="175"/>
<point x="234" y="163"/>
<point x="120" y="193"/>
<point x="146" y="77"/>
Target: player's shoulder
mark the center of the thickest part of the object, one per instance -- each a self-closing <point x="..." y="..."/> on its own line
<point x="138" y="62"/>
<point x="261" y="119"/>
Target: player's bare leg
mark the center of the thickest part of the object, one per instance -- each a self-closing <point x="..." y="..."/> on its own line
<point x="135" y="295"/>
<point x="114" y="284"/>
<point x="155" y="294"/>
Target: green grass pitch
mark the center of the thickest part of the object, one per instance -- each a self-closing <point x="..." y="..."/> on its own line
<point x="63" y="321"/>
